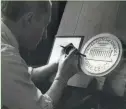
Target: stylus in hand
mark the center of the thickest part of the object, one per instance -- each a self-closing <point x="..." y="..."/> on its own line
<point x="78" y="53"/>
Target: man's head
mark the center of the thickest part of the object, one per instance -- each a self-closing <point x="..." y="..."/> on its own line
<point x="27" y="20"/>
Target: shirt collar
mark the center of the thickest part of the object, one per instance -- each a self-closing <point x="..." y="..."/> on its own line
<point x="10" y="38"/>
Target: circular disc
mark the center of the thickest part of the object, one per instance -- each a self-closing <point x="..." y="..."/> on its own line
<point x="103" y="53"/>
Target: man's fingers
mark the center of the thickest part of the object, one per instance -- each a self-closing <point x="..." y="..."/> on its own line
<point x="72" y="53"/>
<point x="62" y="52"/>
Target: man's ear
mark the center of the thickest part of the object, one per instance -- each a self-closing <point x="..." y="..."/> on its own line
<point x="29" y="17"/>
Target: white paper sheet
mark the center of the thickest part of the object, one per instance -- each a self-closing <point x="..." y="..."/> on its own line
<point x="56" y="50"/>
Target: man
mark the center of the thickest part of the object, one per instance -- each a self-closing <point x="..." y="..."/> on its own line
<point x="23" y="23"/>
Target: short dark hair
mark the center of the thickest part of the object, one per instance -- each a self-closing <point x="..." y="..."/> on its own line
<point x="15" y="9"/>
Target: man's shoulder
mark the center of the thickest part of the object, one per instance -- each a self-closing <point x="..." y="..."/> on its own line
<point x="7" y="49"/>
<point x="10" y="57"/>
<point x="11" y="61"/>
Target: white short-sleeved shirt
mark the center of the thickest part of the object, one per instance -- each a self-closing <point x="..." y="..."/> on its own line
<point x="17" y="89"/>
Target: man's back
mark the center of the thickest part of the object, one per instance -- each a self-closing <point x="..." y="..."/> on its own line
<point x="18" y="91"/>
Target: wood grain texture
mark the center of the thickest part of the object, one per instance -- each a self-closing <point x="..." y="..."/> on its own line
<point x="70" y="18"/>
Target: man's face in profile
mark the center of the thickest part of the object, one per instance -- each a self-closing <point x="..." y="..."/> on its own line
<point x="34" y="29"/>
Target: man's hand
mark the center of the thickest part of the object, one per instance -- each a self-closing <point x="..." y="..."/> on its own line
<point x="67" y="64"/>
<point x="67" y="67"/>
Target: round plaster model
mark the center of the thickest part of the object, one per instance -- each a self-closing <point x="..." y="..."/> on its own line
<point x="103" y="53"/>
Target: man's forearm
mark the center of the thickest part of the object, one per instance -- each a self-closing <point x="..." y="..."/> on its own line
<point x="41" y="73"/>
<point x="56" y="90"/>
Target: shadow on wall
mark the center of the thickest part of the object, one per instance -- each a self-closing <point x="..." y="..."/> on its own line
<point x="40" y="55"/>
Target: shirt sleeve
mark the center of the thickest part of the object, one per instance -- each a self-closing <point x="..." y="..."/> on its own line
<point x="30" y="70"/>
<point x="17" y="89"/>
